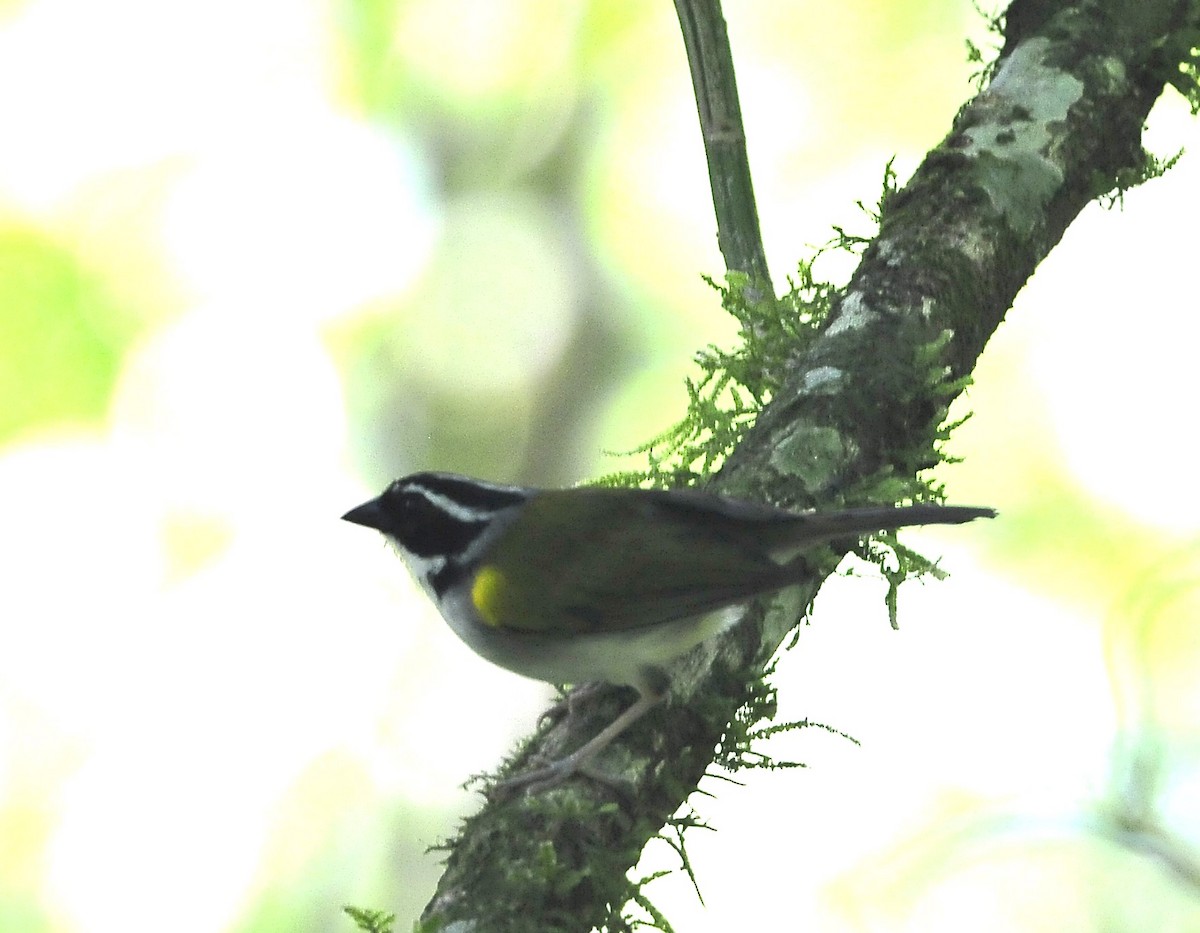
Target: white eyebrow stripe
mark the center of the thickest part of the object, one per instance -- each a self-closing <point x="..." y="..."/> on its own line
<point x="458" y="510"/>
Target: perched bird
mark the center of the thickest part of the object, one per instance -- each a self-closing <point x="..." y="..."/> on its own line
<point x="602" y="584"/>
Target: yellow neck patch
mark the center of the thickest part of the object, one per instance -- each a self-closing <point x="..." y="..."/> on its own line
<point x="487" y="593"/>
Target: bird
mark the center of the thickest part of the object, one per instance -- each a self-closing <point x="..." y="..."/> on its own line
<point x="598" y="583"/>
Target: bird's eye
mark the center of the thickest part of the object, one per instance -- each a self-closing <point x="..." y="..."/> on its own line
<point x="416" y="511"/>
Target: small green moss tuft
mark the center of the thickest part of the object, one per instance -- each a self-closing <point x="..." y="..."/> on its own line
<point x="1110" y="190"/>
<point x="377" y="921"/>
<point x="734" y="385"/>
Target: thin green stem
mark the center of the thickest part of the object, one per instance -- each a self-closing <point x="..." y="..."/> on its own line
<point x="711" y="63"/>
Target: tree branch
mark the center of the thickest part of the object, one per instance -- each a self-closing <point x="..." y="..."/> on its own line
<point x="1060" y="121"/>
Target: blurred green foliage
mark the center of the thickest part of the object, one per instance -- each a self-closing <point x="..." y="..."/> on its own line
<point x="61" y="336"/>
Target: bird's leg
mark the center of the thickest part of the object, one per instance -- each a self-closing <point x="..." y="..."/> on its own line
<point x="568" y="704"/>
<point x="556" y="772"/>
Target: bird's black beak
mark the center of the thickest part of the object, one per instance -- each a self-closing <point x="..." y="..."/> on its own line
<point x="369" y="514"/>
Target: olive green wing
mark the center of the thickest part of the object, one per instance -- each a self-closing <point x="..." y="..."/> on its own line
<point x="610" y="559"/>
<point x="609" y="562"/>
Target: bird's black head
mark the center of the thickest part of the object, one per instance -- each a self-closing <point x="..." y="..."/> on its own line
<point x="436" y="514"/>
